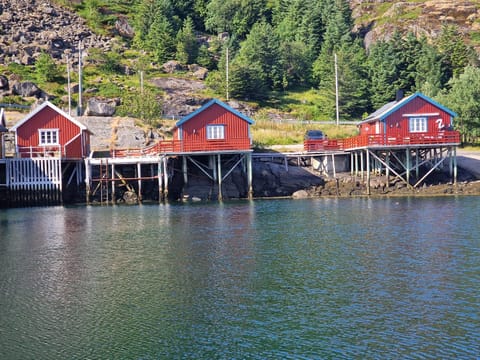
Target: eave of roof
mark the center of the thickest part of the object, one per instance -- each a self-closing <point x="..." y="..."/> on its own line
<point x="210" y="103"/>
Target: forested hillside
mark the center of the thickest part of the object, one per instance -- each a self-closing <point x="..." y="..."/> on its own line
<point x="282" y="52"/>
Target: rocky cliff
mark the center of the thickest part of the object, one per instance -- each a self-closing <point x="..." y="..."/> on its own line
<point x="30" y="27"/>
<point x="379" y="19"/>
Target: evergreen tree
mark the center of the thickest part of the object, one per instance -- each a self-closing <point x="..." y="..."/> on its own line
<point x="295" y="60"/>
<point x="235" y="16"/>
<point x="160" y="39"/>
<point x="384" y="63"/>
<point x="260" y="51"/>
<point x="454" y="50"/>
<point x="187" y="45"/>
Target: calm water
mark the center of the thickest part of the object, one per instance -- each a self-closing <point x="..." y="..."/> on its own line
<point x="276" y="279"/>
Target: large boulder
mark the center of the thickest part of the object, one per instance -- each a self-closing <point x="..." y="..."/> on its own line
<point x="172" y="66"/>
<point x="26" y="89"/>
<point x="100" y="107"/>
<point x="3" y="82"/>
<point x="123" y="28"/>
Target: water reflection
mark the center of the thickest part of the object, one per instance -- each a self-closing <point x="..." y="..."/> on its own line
<point x="334" y="278"/>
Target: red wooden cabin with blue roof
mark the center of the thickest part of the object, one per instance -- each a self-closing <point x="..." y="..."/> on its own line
<point x="415" y="119"/>
<point x="213" y="127"/>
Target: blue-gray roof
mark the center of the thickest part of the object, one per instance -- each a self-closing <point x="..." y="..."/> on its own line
<point x="210" y="103"/>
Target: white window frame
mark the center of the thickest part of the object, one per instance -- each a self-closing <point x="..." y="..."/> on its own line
<point x="418" y="124"/>
<point x="47" y="137"/>
<point x="215" y="132"/>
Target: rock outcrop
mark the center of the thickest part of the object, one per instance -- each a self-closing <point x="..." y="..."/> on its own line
<point x="378" y="20"/>
<point x="28" y="28"/>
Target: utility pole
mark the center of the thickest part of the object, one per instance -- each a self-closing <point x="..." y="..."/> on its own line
<point x="227" y="73"/>
<point x="80" y="109"/>
<point x="336" y="90"/>
<point x="69" y="87"/>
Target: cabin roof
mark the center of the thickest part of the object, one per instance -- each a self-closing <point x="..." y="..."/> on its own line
<point x="3" y="121"/>
<point x="43" y="106"/>
<point x="387" y="109"/>
<point x="210" y="103"/>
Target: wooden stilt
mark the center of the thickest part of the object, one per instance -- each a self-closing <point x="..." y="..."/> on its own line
<point x="184" y="170"/>
<point x="139" y="175"/>
<point x="367" y="155"/>
<point x="113" y="184"/>
<point x="249" y="176"/>
<point x="219" y="160"/>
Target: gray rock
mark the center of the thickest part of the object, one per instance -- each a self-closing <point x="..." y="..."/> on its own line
<point x="3" y="82"/>
<point x="100" y="107"/>
<point x="172" y="66"/>
<point x="124" y="28"/>
<point x="300" y="194"/>
<point x="26" y="89"/>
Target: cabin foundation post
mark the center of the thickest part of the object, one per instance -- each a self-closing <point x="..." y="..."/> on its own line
<point x="362" y="170"/>
<point x="249" y="175"/>
<point x="220" y="197"/>
<point x="333" y="166"/>
<point x="159" y="179"/>
<point x="88" y="172"/>
<point x="417" y="164"/>
<point x="165" y="177"/>
<point x="407" y="154"/>
<point x="113" y="184"/>
<point x="368" y="170"/>
<point x="351" y="164"/>
<point x="387" y="169"/>
<point x="139" y="175"/>
<point x="455" y="170"/>
<point x="184" y="169"/>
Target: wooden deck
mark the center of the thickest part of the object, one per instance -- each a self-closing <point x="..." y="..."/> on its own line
<point x="383" y="141"/>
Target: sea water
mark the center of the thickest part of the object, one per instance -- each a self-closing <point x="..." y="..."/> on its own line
<point x="362" y="278"/>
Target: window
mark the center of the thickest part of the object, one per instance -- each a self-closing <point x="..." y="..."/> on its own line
<point x="418" y="124"/>
<point x="215" y="132"/>
<point x="48" y="137"/>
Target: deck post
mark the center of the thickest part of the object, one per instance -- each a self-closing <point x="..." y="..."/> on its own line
<point x="417" y="166"/>
<point x="184" y="168"/>
<point x="361" y="166"/>
<point x="113" y="184"/>
<point x="139" y="175"/>
<point x="407" y="153"/>
<point x="351" y="164"/>
<point x="455" y="170"/>
<point x="88" y="172"/>
<point x="367" y="154"/>
<point x="387" y="169"/>
<point x="333" y="166"/>
<point x="219" y="177"/>
<point x="249" y="175"/>
<point x="165" y="177"/>
<point x="159" y="176"/>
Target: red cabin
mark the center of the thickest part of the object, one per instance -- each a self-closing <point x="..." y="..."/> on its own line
<point x="415" y="119"/>
<point x="213" y="127"/>
<point x="49" y="132"/>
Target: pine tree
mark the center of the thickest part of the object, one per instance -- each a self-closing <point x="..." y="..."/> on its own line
<point x="187" y="45"/>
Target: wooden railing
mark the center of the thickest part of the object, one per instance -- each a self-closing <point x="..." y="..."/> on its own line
<point x="39" y="151"/>
<point x="178" y="146"/>
<point x="442" y="137"/>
